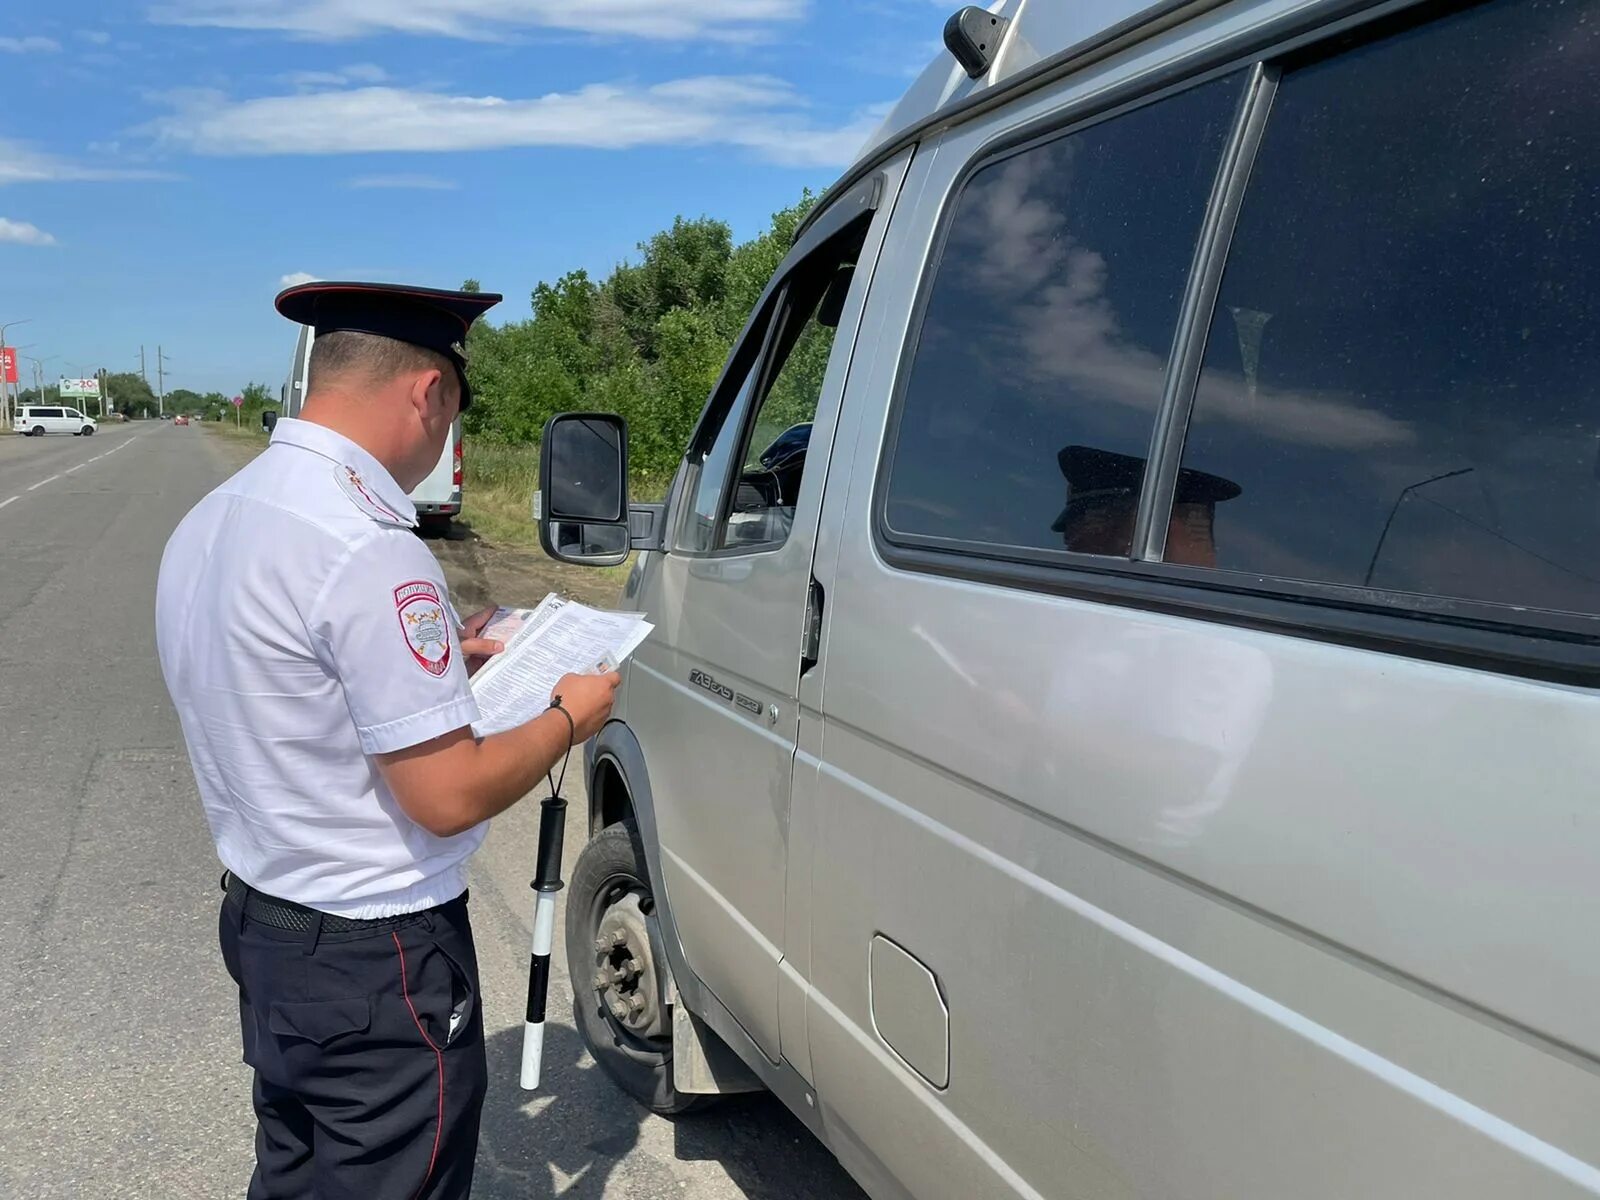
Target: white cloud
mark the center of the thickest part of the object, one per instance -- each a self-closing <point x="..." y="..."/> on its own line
<point x="756" y="113"/>
<point x="24" y="234"/>
<point x="29" y="45"/>
<point x="95" y="37"/>
<point x="19" y="163"/>
<point x="422" y="183"/>
<point x="723" y="20"/>
<point x="297" y="278"/>
<point x="354" y="73"/>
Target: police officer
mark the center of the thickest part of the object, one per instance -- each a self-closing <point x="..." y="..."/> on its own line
<point x="321" y="678"/>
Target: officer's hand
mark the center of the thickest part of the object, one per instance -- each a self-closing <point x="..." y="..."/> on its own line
<point x="479" y="650"/>
<point x="588" y="700"/>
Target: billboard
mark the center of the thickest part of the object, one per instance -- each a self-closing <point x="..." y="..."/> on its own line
<point x="8" y="364"/>
<point x="79" y="389"/>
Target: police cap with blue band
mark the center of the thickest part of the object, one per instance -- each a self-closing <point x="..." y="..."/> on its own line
<point x="428" y="317"/>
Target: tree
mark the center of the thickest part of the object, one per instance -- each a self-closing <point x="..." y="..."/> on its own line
<point x="50" y="394"/>
<point x="647" y="342"/>
<point x="182" y="400"/>
<point x="754" y="263"/>
<point x="129" y="393"/>
<point x="683" y="267"/>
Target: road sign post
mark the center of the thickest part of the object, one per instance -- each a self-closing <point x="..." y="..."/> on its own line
<point x="238" y="408"/>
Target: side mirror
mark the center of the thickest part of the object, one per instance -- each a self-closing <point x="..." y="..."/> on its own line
<point x="583" y="485"/>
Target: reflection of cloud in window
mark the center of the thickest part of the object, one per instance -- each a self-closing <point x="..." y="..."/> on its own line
<point x="1054" y="323"/>
<point x="920" y="504"/>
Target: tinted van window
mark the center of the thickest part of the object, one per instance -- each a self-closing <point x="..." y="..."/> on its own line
<point x="1400" y="381"/>
<point x="1041" y="357"/>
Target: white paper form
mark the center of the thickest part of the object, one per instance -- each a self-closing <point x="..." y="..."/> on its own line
<point x="560" y="637"/>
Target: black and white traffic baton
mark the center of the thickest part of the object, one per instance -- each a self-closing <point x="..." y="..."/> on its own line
<point x="546" y="883"/>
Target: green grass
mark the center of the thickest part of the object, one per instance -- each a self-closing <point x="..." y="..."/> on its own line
<point x="498" y="482"/>
<point x="244" y="433"/>
<point x="497" y="487"/>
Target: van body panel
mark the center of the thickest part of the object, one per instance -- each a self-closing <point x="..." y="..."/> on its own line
<point x="438" y="493"/>
<point x="723" y="669"/>
<point x="53" y="418"/>
<point x="1160" y="866"/>
<point x="299" y="373"/>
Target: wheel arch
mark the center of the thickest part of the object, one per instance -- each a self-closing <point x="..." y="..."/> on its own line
<point x="619" y="788"/>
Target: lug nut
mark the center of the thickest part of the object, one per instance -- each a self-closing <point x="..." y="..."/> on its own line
<point x="601" y="981"/>
<point x="636" y="1004"/>
<point x="632" y="966"/>
<point x="619" y="1010"/>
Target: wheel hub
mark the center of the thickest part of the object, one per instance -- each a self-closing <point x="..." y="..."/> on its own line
<point x="625" y="975"/>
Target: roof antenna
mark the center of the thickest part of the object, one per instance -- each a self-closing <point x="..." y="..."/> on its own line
<point x="973" y="36"/>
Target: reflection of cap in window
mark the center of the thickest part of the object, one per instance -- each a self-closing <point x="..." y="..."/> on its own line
<point x="1103" y="499"/>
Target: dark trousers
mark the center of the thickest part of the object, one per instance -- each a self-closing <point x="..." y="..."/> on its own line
<point x="368" y="1053"/>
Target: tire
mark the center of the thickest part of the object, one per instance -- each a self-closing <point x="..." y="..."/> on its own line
<point x="611" y="878"/>
<point x="36" y="431"/>
<point x="88" y="431"/>
<point x="433" y="525"/>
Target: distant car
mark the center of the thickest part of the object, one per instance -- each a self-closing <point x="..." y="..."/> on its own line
<point x="38" y="420"/>
<point x="180" y="420"/>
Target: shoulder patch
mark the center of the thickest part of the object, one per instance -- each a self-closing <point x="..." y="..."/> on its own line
<point x="422" y="620"/>
<point x="353" y="486"/>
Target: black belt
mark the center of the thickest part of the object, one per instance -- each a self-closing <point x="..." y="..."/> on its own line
<point x="297" y="918"/>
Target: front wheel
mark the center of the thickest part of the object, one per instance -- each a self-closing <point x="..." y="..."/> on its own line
<point x="619" y="973"/>
<point x="88" y="431"/>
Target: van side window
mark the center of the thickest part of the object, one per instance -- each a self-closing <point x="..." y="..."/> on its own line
<point x="1399" y="385"/>
<point x="1032" y="394"/>
<point x="774" y="459"/>
<point x="766" y="432"/>
<point x="698" y="534"/>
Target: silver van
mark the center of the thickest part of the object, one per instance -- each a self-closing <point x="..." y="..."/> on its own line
<point x="1141" y="737"/>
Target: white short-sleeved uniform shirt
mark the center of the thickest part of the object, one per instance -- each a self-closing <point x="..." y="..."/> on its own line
<point x="303" y="628"/>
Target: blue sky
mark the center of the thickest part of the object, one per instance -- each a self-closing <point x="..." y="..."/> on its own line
<point x="166" y="165"/>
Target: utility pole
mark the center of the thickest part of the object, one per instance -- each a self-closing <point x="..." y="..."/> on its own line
<point x="161" y="385"/>
<point x="38" y="375"/>
<point x="142" y="375"/>
<point x="6" y="408"/>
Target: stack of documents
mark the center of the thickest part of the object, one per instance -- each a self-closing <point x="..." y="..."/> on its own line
<point x="560" y="637"/>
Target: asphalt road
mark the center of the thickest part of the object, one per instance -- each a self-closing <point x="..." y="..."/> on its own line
<point x="119" y="1054"/>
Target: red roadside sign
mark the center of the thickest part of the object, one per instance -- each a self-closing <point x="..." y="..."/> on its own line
<point x="8" y="363"/>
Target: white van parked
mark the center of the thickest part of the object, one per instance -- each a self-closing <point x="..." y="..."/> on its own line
<point x="438" y="497"/>
<point x="1148" y="744"/>
<point x="36" y="420"/>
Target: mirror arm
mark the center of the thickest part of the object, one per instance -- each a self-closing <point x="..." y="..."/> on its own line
<point x="647" y="525"/>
